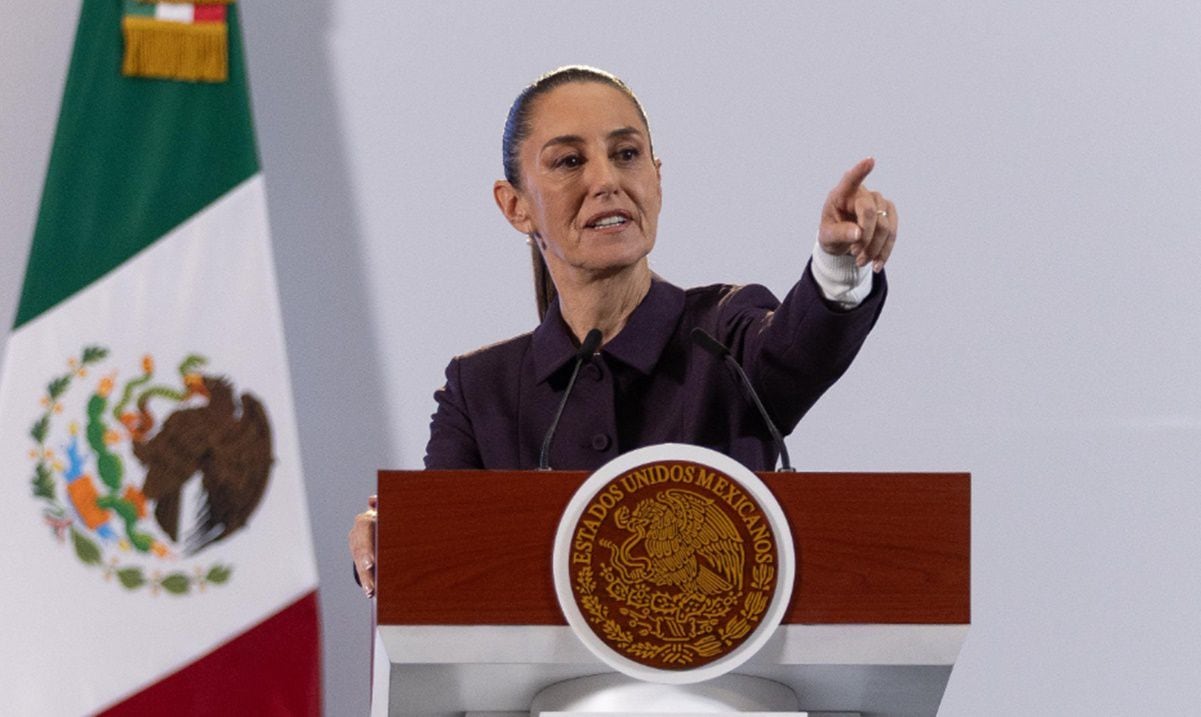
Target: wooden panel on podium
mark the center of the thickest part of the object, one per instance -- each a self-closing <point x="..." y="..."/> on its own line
<point x="474" y="547"/>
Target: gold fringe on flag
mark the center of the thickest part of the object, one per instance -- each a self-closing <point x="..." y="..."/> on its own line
<point x="197" y="52"/>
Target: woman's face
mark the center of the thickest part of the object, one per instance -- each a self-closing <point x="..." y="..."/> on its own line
<point x="590" y="189"/>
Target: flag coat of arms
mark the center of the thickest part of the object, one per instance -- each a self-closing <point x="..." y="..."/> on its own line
<point x="156" y="543"/>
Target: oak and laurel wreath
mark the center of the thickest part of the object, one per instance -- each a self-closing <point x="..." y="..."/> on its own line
<point x="131" y="577"/>
<point x="681" y="653"/>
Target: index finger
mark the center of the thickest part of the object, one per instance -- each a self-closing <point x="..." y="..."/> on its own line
<point x="849" y="184"/>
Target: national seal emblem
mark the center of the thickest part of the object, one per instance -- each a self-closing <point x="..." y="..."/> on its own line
<point x="140" y="495"/>
<point x="670" y="563"/>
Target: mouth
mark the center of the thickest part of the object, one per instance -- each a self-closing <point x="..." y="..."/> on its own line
<point x="609" y="220"/>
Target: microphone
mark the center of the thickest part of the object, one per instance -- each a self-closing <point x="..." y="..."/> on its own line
<point x="587" y="348"/>
<point x="701" y="338"/>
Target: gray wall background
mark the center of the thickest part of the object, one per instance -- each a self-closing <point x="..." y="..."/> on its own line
<point x="1041" y="332"/>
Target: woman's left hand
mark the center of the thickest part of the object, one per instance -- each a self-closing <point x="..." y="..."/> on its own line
<point x="858" y="221"/>
<point x="362" y="546"/>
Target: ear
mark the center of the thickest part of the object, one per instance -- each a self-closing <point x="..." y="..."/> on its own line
<point x="659" y="175"/>
<point x="513" y="205"/>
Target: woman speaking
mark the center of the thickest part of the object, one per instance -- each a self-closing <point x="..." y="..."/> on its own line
<point x="582" y="182"/>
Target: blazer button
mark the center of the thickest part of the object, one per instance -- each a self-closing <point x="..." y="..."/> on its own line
<point x="600" y="442"/>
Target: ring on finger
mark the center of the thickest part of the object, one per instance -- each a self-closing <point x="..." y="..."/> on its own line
<point x="881" y="212"/>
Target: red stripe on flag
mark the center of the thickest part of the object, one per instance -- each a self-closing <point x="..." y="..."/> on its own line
<point x="208" y="13"/>
<point x="272" y="669"/>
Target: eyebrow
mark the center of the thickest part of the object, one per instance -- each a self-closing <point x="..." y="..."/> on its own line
<point x="576" y="139"/>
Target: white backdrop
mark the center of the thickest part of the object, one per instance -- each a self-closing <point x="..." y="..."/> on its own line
<point x="1041" y="330"/>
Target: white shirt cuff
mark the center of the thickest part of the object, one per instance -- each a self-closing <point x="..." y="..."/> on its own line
<point x="839" y="279"/>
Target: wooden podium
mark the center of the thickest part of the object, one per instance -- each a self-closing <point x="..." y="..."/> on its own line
<point x="468" y="620"/>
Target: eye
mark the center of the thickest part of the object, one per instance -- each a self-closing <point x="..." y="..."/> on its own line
<point x="569" y="161"/>
<point x="628" y="154"/>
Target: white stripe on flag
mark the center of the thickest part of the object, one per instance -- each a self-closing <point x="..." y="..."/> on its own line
<point x="175" y="11"/>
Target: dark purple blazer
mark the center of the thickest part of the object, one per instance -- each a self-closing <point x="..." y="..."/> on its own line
<point x="650" y="384"/>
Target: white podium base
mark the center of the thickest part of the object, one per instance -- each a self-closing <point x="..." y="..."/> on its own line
<point x="495" y="671"/>
<point x="618" y="694"/>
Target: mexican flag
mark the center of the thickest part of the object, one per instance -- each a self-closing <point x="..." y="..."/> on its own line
<point x="155" y="537"/>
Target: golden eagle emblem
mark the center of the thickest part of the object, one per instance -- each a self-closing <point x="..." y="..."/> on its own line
<point x="689" y="544"/>
<point x="673" y="564"/>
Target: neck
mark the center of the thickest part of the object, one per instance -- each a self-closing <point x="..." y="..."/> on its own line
<point x="603" y="302"/>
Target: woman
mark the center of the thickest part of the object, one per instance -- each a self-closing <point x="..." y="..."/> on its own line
<point x="583" y="184"/>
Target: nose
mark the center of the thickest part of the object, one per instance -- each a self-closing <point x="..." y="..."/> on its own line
<point x="602" y="177"/>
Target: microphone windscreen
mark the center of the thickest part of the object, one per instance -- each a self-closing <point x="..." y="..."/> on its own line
<point x="590" y="344"/>
<point x="701" y="338"/>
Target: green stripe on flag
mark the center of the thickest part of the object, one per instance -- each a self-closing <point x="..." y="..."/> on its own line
<point x="132" y="159"/>
<point x="133" y="7"/>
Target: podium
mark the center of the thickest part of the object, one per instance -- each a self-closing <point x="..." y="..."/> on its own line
<point x="468" y="621"/>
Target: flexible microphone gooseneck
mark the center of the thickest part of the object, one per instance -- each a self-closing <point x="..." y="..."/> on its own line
<point x="701" y="338"/>
<point x="589" y="346"/>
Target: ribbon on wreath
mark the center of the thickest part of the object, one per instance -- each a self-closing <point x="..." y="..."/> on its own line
<point x="177" y="41"/>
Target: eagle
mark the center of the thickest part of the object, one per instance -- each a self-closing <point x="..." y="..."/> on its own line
<point x="228" y="444"/>
<point x="689" y="543"/>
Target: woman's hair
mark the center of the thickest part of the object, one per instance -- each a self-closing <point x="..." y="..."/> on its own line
<point x="517" y="128"/>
